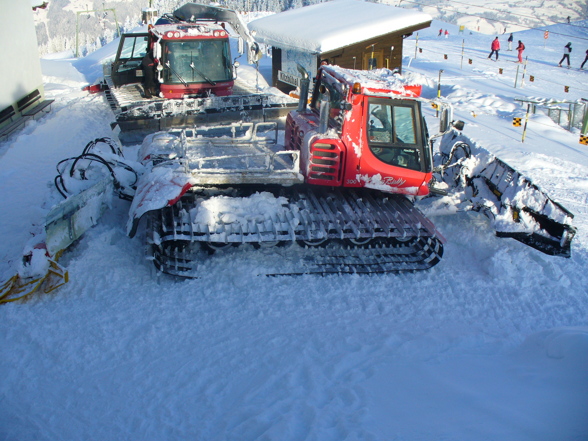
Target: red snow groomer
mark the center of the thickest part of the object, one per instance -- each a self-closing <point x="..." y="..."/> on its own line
<point x="185" y="55"/>
<point x="337" y="186"/>
<point x="181" y="73"/>
<point x="337" y="195"/>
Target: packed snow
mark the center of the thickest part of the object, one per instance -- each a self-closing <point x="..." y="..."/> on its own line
<point x="490" y="344"/>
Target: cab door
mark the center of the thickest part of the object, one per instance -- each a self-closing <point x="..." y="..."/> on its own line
<point x="126" y="68"/>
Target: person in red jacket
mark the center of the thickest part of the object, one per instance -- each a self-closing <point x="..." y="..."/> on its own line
<point x="520" y="48"/>
<point x="495" y="48"/>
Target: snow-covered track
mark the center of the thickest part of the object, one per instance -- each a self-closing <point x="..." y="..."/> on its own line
<point x="320" y="232"/>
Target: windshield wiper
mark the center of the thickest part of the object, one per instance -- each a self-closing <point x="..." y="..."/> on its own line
<point x="208" y="80"/>
<point x="176" y="74"/>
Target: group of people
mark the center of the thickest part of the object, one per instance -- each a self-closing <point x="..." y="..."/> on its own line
<point x="495" y="48"/>
<point x="567" y="53"/>
<point x="566" y="56"/>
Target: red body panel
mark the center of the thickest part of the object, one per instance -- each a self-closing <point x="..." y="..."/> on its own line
<point x="179" y="91"/>
<point x="363" y="169"/>
<point x="351" y="163"/>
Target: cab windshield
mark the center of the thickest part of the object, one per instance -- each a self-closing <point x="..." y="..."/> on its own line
<point x="394" y="135"/>
<point x="197" y="61"/>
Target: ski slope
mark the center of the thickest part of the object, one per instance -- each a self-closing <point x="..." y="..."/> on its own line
<point x="490" y="344"/>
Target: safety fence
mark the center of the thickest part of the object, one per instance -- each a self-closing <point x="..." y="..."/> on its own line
<point x="567" y="113"/>
<point x="522" y="71"/>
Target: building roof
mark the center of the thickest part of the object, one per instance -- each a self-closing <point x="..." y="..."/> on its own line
<point x="324" y="27"/>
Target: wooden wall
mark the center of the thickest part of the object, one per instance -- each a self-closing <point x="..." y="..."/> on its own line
<point x="358" y="55"/>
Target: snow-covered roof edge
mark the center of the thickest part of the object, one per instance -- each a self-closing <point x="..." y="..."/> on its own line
<point x="331" y="25"/>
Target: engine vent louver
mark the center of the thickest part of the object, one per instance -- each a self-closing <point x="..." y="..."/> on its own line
<point x="324" y="165"/>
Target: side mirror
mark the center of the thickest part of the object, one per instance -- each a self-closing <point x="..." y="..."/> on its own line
<point x="458" y="125"/>
<point x="255" y="53"/>
<point x="446" y="117"/>
<point x="236" y="64"/>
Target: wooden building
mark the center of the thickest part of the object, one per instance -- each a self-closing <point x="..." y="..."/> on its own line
<point x="349" y="33"/>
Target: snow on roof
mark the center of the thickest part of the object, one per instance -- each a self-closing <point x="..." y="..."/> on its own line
<point x="327" y="26"/>
<point x="378" y="80"/>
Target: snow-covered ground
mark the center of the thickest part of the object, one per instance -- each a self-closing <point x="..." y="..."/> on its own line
<point x="491" y="344"/>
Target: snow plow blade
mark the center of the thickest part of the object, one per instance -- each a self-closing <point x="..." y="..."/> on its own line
<point x="71" y="218"/>
<point x="67" y="221"/>
<point x="518" y="207"/>
<point x="554" y="235"/>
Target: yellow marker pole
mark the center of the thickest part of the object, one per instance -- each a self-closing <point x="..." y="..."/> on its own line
<point x="439" y="89"/>
<point x="526" y="121"/>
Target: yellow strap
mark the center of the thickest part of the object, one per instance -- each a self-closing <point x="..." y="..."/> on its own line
<point x="56" y="276"/>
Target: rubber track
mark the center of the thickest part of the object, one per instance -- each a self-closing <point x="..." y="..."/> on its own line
<point x="399" y="236"/>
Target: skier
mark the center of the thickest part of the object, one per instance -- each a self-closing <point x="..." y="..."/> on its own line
<point x="520" y="48"/>
<point x="510" y="39"/>
<point x="446" y="33"/>
<point x="440" y="32"/>
<point x="585" y="60"/>
<point x="495" y="48"/>
<point x="566" y="55"/>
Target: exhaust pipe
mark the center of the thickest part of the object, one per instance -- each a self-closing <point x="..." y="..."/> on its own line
<point x="324" y="110"/>
<point x="304" y="86"/>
